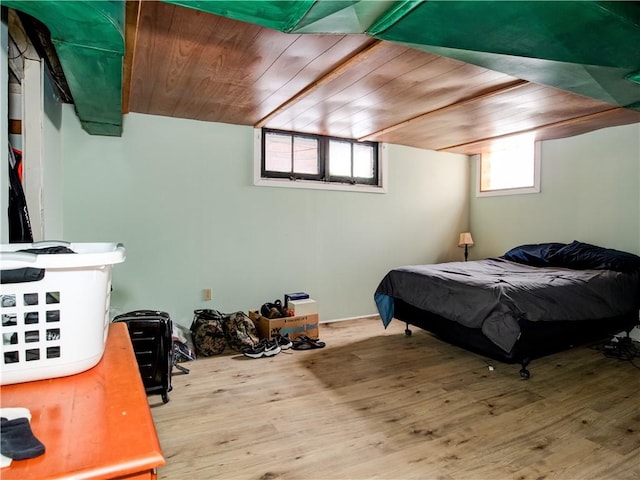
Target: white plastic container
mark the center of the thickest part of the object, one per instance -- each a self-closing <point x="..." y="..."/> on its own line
<point x="58" y="325"/>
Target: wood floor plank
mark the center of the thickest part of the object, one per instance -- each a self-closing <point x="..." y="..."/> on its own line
<point x="377" y="404"/>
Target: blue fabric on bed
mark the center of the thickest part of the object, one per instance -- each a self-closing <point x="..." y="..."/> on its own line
<point x="386" y="308"/>
<point x="536" y="255"/>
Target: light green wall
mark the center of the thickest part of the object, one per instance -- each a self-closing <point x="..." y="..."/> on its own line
<point x="589" y="192"/>
<point x="179" y="194"/>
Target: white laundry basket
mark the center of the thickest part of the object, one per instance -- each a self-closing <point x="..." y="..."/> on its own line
<point x="58" y="325"/>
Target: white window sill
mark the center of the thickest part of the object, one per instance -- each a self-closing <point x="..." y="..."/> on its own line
<point x="313" y="185"/>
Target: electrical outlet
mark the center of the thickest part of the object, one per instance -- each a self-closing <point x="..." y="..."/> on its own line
<point x="206" y="294"/>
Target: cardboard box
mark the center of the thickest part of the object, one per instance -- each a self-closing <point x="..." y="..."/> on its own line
<point x="308" y="325"/>
<point x="303" y="307"/>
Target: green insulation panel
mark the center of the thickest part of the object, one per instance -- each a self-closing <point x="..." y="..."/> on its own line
<point x="306" y="16"/>
<point x="281" y="15"/>
<point x="89" y="40"/>
<point x="350" y="16"/>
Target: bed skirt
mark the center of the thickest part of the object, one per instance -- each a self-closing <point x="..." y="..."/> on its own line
<point x="536" y="339"/>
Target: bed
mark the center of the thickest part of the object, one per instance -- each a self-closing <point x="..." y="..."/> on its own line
<point x="534" y="300"/>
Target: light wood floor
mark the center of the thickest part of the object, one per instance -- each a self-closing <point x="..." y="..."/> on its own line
<point x="379" y="404"/>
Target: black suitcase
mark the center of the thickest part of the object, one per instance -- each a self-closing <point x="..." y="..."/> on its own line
<point x="151" y="337"/>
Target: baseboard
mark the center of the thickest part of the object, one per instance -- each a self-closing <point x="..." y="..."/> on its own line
<point x="373" y="316"/>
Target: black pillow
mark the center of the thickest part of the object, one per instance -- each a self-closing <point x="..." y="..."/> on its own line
<point x="536" y="255"/>
<point x="583" y="256"/>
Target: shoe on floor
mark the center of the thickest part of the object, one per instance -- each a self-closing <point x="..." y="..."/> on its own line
<point x="283" y="341"/>
<point x="305" y="343"/>
<point x="264" y="348"/>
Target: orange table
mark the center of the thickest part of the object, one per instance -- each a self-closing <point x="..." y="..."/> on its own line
<point x="96" y="424"/>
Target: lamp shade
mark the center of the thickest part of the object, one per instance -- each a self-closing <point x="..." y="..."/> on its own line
<point x="465" y="239"/>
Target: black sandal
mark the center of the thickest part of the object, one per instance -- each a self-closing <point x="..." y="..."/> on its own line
<point x="309" y="342"/>
<point x="300" y="345"/>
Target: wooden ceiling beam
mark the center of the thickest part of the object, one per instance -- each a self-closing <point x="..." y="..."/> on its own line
<point x="360" y="56"/>
<point x="511" y="86"/>
<point x="560" y="123"/>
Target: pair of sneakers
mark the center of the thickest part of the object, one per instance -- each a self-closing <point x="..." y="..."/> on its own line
<point x="269" y="348"/>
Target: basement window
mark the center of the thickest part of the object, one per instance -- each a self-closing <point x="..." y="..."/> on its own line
<point x="510" y="166"/>
<point x="301" y="160"/>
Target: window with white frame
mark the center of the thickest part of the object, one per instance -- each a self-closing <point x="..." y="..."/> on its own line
<point x="318" y="161"/>
<point x="509" y="166"/>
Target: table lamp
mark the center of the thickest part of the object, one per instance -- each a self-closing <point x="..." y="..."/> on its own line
<point x="465" y="241"/>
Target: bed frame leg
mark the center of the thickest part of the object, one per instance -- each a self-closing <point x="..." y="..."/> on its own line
<point x="407" y="331"/>
<point x="524" y="372"/>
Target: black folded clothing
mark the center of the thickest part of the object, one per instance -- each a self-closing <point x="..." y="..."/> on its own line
<point x="17" y="440"/>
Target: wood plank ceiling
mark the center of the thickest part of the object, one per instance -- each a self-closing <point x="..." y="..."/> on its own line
<point x="190" y="64"/>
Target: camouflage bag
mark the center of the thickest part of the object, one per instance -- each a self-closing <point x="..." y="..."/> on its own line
<point x="208" y="332"/>
<point x="240" y="331"/>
